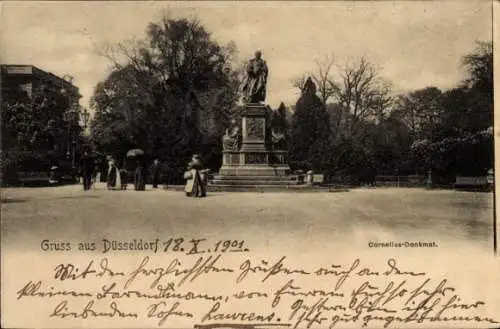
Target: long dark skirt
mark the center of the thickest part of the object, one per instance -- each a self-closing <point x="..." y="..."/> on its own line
<point x="111" y="179"/>
<point x="139" y="180"/>
<point x="123" y="179"/>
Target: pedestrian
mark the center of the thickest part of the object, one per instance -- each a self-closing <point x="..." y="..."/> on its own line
<point x="87" y="167"/>
<point x="139" y="177"/>
<point x="96" y="176"/>
<point x="123" y="178"/>
<point x="195" y="186"/>
<point x="113" y="179"/>
<point x="123" y="175"/>
<point x="54" y="174"/>
<point x="155" y="172"/>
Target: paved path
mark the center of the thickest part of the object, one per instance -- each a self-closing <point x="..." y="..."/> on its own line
<point x="357" y="216"/>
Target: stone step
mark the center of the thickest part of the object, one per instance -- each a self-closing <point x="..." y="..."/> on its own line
<point x="265" y="188"/>
<point x="273" y="188"/>
<point x="276" y="178"/>
<point x="254" y="170"/>
<point x="249" y="182"/>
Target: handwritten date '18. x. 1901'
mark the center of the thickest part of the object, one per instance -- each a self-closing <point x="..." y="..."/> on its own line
<point x="188" y="246"/>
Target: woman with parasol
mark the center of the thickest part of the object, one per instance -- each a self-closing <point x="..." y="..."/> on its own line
<point x="194" y="184"/>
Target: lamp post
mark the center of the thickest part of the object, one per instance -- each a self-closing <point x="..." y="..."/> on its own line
<point x="73" y="158"/>
<point x="70" y="117"/>
<point x="85" y="118"/>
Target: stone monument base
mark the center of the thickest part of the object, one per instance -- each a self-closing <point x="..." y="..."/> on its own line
<point x="251" y="168"/>
<point x="254" y="170"/>
<point x="254" y="164"/>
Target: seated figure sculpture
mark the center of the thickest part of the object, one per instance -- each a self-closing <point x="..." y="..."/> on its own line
<point x="278" y="129"/>
<point x="231" y="141"/>
<point x="278" y="139"/>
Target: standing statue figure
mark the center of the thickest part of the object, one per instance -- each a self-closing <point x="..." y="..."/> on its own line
<point x="253" y="86"/>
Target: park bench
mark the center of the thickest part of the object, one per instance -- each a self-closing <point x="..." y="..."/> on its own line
<point x="400" y="181"/>
<point x="472" y="183"/>
<point x="32" y="177"/>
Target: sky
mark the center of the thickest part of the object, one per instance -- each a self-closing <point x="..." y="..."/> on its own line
<point x="415" y="44"/>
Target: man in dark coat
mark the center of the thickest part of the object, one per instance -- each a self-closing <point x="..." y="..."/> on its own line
<point x="155" y="173"/>
<point x="87" y="167"/>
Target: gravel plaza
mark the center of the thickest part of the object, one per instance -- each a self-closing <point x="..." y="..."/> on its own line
<point x="361" y="218"/>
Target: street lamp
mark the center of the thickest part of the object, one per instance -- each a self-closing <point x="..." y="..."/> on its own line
<point x="73" y="162"/>
<point x="70" y="117"/>
<point x="85" y="119"/>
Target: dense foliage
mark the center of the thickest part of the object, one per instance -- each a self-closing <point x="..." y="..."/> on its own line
<point x="174" y="93"/>
<point x="36" y="130"/>
<point x="170" y="94"/>
<point x="310" y="131"/>
<point x="374" y="133"/>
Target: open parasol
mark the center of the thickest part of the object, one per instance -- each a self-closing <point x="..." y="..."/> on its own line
<point x="135" y="153"/>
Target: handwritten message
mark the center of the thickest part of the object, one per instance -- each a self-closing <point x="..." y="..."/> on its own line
<point x="218" y="288"/>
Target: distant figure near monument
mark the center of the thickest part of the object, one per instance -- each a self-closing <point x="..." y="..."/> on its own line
<point x="253" y="87"/>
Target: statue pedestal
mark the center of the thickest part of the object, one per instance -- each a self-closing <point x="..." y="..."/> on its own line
<point x="253" y="123"/>
<point x="254" y="164"/>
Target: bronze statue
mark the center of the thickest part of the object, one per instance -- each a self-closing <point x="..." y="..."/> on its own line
<point x="253" y="86"/>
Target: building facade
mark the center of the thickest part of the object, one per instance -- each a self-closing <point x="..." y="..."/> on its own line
<point x="30" y="78"/>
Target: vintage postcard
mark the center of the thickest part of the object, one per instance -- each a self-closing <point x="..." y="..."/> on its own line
<point x="248" y="164"/>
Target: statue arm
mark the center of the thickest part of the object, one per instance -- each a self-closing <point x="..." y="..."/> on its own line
<point x="265" y="69"/>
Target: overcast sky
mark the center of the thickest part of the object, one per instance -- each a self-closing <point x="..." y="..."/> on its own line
<point x="416" y="44"/>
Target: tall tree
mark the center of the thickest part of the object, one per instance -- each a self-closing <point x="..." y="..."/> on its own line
<point x="479" y="66"/>
<point x="363" y="94"/>
<point x="463" y="141"/>
<point x="421" y="110"/>
<point x="170" y="93"/>
<point x="310" y="131"/>
<point x="322" y="77"/>
<point x="357" y="89"/>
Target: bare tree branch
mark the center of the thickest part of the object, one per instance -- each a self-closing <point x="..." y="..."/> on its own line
<point x="362" y="93"/>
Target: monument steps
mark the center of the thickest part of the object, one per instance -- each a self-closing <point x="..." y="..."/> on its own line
<point x="252" y="182"/>
<point x="272" y="188"/>
<point x="262" y="177"/>
<point x="265" y="188"/>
